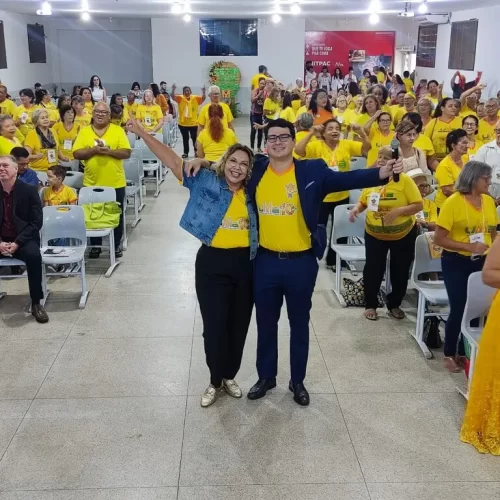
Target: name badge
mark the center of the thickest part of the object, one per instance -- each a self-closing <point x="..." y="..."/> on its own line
<point x="51" y="155"/>
<point x="24" y="117"/>
<point x="476" y="238"/>
<point x="102" y="142"/>
<point x="373" y="201"/>
<point x="471" y="157"/>
<point x="68" y="145"/>
<point x="147" y="121"/>
<point x="420" y="215"/>
<point x="340" y="119"/>
<point x="334" y="168"/>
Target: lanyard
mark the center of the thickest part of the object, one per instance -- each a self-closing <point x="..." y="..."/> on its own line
<point x="467" y="213"/>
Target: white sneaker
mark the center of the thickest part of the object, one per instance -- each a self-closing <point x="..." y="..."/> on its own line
<point x="209" y="396"/>
<point x="232" y="388"/>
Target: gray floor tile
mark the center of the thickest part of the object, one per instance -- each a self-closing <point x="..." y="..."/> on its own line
<point x="119" y="367"/>
<point x="96" y="443"/>
<point x="275" y="492"/>
<point x="95" y="494"/>
<point x="413" y="438"/>
<point x="11" y="414"/>
<point x="271" y="441"/>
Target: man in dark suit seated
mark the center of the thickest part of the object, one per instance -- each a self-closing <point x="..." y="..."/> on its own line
<point x="20" y="223"/>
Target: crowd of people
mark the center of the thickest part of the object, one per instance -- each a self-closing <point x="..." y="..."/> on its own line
<point x="261" y="212"/>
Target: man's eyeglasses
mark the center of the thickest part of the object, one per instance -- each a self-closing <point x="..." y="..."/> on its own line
<point x="423" y="186"/>
<point x="282" y="138"/>
<point x="101" y="113"/>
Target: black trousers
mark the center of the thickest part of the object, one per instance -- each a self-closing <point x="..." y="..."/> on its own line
<point x="326" y="210"/>
<point x="402" y="255"/>
<point x="255" y="118"/>
<point x="186" y="132"/>
<point x="120" y="198"/>
<point x="224" y="287"/>
<point x="30" y="254"/>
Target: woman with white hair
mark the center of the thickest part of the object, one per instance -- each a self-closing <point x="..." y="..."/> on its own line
<point x="466" y="228"/>
<point x="150" y="114"/>
<point x="214" y="94"/>
<point x="489" y="153"/>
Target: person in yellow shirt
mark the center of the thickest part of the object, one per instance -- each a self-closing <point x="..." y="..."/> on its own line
<point x="215" y="98"/>
<point x="297" y="100"/>
<point x="470" y="124"/>
<point x="131" y="105"/>
<point x="82" y="116"/>
<point x="343" y="115"/>
<point x="486" y="131"/>
<point x="7" y="107"/>
<point x="272" y="105"/>
<point x="337" y="154"/>
<point x="409" y="102"/>
<point x="380" y="93"/>
<point x="427" y="218"/>
<point x="434" y="93"/>
<point x="149" y="114"/>
<point x="42" y="143"/>
<point x="215" y="139"/>
<point x="44" y="101"/>
<point x="466" y="228"/>
<point x="57" y="193"/>
<point x="450" y="167"/>
<point x="8" y="139"/>
<point x="470" y="99"/>
<point x="304" y="125"/>
<point x="66" y="130"/>
<point x="117" y="100"/>
<point x="444" y="121"/>
<point x="103" y="147"/>
<point x="305" y="108"/>
<point x="369" y="110"/>
<point x="399" y="106"/>
<point x="379" y="136"/>
<point x="261" y="74"/>
<point x="407" y="81"/>
<point x="390" y="227"/>
<point x="24" y="112"/>
<point x="422" y="142"/>
<point x="286" y="111"/>
<point x="380" y="74"/>
<point x="86" y="93"/>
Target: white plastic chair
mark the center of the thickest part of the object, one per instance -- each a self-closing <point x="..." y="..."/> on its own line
<point x="137" y="154"/>
<point x="354" y="195"/>
<point x="73" y="164"/>
<point x="131" y="139"/>
<point x="498" y="210"/>
<point x="358" y="162"/>
<point x="66" y="222"/>
<point x="429" y="292"/>
<point x="479" y="298"/>
<point x="11" y="262"/>
<point x="133" y="190"/>
<point x="151" y="164"/>
<point x="42" y="177"/>
<point x="74" y="180"/>
<point x="343" y="228"/>
<point x="98" y="194"/>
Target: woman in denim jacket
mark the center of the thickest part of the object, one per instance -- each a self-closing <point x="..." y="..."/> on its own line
<point x="220" y="214"/>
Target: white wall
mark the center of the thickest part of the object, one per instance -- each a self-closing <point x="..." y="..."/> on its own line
<point x="20" y="73"/>
<point x="176" y="54"/>
<point x="487" y="51"/>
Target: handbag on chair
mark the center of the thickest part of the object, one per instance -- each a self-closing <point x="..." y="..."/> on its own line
<point x="102" y="215"/>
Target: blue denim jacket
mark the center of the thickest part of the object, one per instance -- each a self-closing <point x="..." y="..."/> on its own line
<point x="210" y="198"/>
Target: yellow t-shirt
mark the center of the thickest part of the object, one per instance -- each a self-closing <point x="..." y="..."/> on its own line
<point x="188" y="109"/>
<point x="486" y="132"/>
<point x="214" y="150"/>
<point x="392" y="195"/>
<point x="466" y="111"/>
<point x="65" y="196"/>
<point x="380" y="77"/>
<point x="203" y="116"/>
<point x="89" y="107"/>
<point x="256" y="78"/>
<point x="471" y="151"/>
<point x="50" y="156"/>
<point x="345" y="118"/>
<point x="24" y="115"/>
<point x="282" y="227"/>
<point x="131" y="108"/>
<point x="298" y="137"/>
<point x="378" y="140"/>
<point x="103" y="170"/>
<point x="53" y="113"/>
<point x="338" y="159"/>
<point x="423" y="143"/>
<point x="66" y="139"/>
<point x="234" y="230"/>
<point x="394" y="109"/>
<point x="8" y="108"/>
<point x="462" y="219"/>
<point x="430" y="211"/>
<point x="398" y="115"/>
<point x="149" y="116"/>
<point x="288" y="115"/>
<point x="437" y="130"/>
<point x="274" y="107"/>
<point x="302" y="110"/>
<point x="83" y="120"/>
<point x="446" y="174"/>
<point x="408" y="84"/>
<point x="7" y="145"/>
<point x="434" y="100"/>
<point x="296" y="105"/>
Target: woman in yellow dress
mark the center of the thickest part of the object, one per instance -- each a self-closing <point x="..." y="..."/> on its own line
<point x="82" y="116"/>
<point x="481" y="424"/>
<point x="22" y="116"/>
<point x="43" y="100"/>
<point x="380" y="136"/>
<point x="66" y="130"/>
<point x="150" y="114"/>
<point x="8" y="139"/>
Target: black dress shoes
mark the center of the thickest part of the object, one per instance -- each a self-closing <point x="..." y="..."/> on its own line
<point x="39" y="313"/>
<point x="300" y="394"/>
<point x="260" y="389"/>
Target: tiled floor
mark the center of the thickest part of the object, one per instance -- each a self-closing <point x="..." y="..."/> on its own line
<point x="103" y="404"/>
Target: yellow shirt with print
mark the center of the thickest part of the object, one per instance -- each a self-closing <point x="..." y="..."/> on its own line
<point x="188" y="109"/>
<point x="274" y="107"/>
<point x="338" y="159"/>
<point x="378" y="140"/>
<point x="7" y="145"/>
<point x="437" y="130"/>
<point x="288" y="115"/>
<point x="256" y="78"/>
<point x="392" y="195"/>
<point x="103" y="170"/>
<point x="149" y="116"/>
<point x="24" y="116"/>
<point x="8" y="108"/>
<point x="228" y="115"/>
<point x="33" y="141"/>
<point x="423" y="143"/>
<point x="486" y="132"/>
<point x="430" y="211"/>
<point x="83" y="120"/>
<point x="131" y="108"/>
<point x="462" y="219"/>
<point x="214" y="150"/>
<point x="282" y="227"/>
<point x="447" y="174"/>
<point x="234" y="230"/>
<point x="66" y="138"/>
<point x="65" y="196"/>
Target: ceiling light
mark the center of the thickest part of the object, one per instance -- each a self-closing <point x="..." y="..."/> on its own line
<point x="177" y="8"/>
<point x="374" y="18"/>
<point x="295" y="9"/>
<point x="422" y="8"/>
<point x="187" y="8"/>
<point x="85" y="16"/>
<point x="276" y="18"/>
<point x="186" y="18"/>
<point x="277" y="8"/>
<point x="45" y="10"/>
<point x="375" y="6"/>
<point x="85" y="5"/>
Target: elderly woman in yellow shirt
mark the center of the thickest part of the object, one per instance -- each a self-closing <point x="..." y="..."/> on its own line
<point x="24" y="112"/>
<point x="150" y="114"/>
<point x="466" y="228"/>
<point x="66" y="131"/>
<point x="390" y="227"/>
<point x="8" y="139"/>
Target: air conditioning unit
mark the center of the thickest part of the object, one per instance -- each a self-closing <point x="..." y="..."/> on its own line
<point x="434" y="19"/>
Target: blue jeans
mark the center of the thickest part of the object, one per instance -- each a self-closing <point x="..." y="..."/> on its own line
<point x="456" y="271"/>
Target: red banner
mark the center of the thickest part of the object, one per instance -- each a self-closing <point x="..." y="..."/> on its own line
<point x="359" y="49"/>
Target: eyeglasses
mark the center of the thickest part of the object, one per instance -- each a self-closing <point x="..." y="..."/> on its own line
<point x="101" y="113"/>
<point x="473" y="124"/>
<point x="282" y="138"/>
<point x="233" y="163"/>
<point x="423" y="186"/>
<point x="385" y="121"/>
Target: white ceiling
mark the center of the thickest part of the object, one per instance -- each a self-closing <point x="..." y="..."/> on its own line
<point x="232" y="8"/>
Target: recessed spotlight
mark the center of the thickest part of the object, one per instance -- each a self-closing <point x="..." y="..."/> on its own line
<point x="187" y="8"/>
<point x="295" y="9"/>
<point x="177" y="8"/>
<point x="422" y="8"/>
<point x="186" y="18"/>
<point x="375" y="6"/>
<point x="276" y="18"/>
<point x="85" y="5"/>
<point x="85" y="16"/>
<point x="45" y="10"/>
<point x="374" y="18"/>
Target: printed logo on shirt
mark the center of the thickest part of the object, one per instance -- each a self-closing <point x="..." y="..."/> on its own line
<point x="290" y="189"/>
<point x="479" y="228"/>
<point x="284" y="209"/>
<point x="239" y="224"/>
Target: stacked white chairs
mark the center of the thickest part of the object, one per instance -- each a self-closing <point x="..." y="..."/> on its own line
<point x="42" y="177"/>
<point x="11" y="262"/>
<point x="72" y="165"/>
<point x="97" y="194"/>
<point x="479" y="298"/>
<point x="350" y="252"/>
<point x="131" y="139"/>
<point x="151" y="164"/>
<point x="498" y="210"/>
<point x="74" y="180"/>
<point x="133" y="191"/>
<point x="137" y="154"/>
<point x="65" y="223"/>
<point x="358" y="162"/>
<point x="429" y="292"/>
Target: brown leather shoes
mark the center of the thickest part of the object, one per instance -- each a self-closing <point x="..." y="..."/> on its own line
<point x="39" y="313"/>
